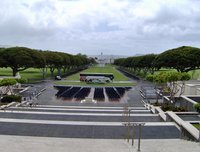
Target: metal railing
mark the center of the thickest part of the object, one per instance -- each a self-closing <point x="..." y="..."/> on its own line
<point x="131" y="127"/>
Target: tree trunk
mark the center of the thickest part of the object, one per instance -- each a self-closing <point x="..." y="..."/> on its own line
<point x="51" y="70"/>
<point x="14" y="71"/>
<point x="152" y="70"/>
<point x="43" y="72"/>
<point x="65" y="69"/>
<point x="59" y="71"/>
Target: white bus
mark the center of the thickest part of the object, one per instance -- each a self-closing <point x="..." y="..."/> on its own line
<point x="97" y="79"/>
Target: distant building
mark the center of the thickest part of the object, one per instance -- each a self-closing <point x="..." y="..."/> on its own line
<point x="106" y="59"/>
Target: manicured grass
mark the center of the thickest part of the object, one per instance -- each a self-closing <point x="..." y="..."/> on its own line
<point x="93" y="84"/>
<point x="31" y="74"/>
<point x="107" y="69"/>
<point x="197" y="126"/>
<point x="5" y="72"/>
<point x="34" y="75"/>
<point x="195" y="74"/>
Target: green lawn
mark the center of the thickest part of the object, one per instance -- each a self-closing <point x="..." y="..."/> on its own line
<point x="34" y="75"/>
<point x="93" y="84"/>
<point x="197" y="126"/>
<point x="31" y="74"/>
<point x="107" y="69"/>
<point x="5" y="72"/>
<point x="195" y="74"/>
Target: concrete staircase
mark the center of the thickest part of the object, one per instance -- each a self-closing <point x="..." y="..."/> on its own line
<point x="82" y="122"/>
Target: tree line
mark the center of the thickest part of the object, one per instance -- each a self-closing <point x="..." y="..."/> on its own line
<point x="22" y="58"/>
<point x="183" y="59"/>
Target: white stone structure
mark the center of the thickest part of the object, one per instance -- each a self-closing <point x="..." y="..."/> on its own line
<point x="192" y="88"/>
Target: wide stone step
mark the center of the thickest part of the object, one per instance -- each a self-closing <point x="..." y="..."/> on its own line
<point x="83" y="106"/>
<point x="190" y="117"/>
<point x="79" y="116"/>
<point x="74" y="110"/>
<point x="81" y="130"/>
<point x="98" y="104"/>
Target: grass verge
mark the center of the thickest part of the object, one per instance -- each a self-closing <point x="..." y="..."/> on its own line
<point x="197" y="126"/>
<point x="31" y="74"/>
<point x="93" y="84"/>
<point x="107" y="69"/>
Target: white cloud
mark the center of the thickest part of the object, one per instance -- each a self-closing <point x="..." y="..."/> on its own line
<point x="93" y="26"/>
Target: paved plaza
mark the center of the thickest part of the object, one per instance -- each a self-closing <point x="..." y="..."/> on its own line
<point x="57" y="125"/>
<point x="43" y="144"/>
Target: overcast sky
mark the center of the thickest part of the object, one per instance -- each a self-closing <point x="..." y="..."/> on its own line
<point x="118" y="27"/>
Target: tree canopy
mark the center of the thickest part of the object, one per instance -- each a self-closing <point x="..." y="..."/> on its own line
<point x="21" y="58"/>
<point x="183" y="59"/>
<point x="138" y="63"/>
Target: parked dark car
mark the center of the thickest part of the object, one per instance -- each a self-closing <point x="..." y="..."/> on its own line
<point x="58" y="77"/>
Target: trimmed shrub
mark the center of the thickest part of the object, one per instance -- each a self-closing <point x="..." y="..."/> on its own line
<point x="11" y="98"/>
<point x="197" y="107"/>
<point x="22" y="80"/>
<point x="169" y="107"/>
<point x="150" y="77"/>
<point x="8" y="82"/>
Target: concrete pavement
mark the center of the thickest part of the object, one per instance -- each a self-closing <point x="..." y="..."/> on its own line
<point x="43" y="144"/>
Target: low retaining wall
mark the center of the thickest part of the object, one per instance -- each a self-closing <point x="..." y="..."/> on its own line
<point x="187" y="130"/>
<point x="3" y="107"/>
<point x="161" y="113"/>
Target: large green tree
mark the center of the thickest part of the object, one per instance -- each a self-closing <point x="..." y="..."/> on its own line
<point x="147" y="63"/>
<point x="64" y="64"/>
<point x="144" y="63"/>
<point x="53" y="60"/>
<point x="183" y="59"/>
<point x="2" y="60"/>
<point x="20" y="58"/>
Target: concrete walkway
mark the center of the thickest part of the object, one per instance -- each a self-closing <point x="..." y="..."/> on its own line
<point x="43" y="144"/>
